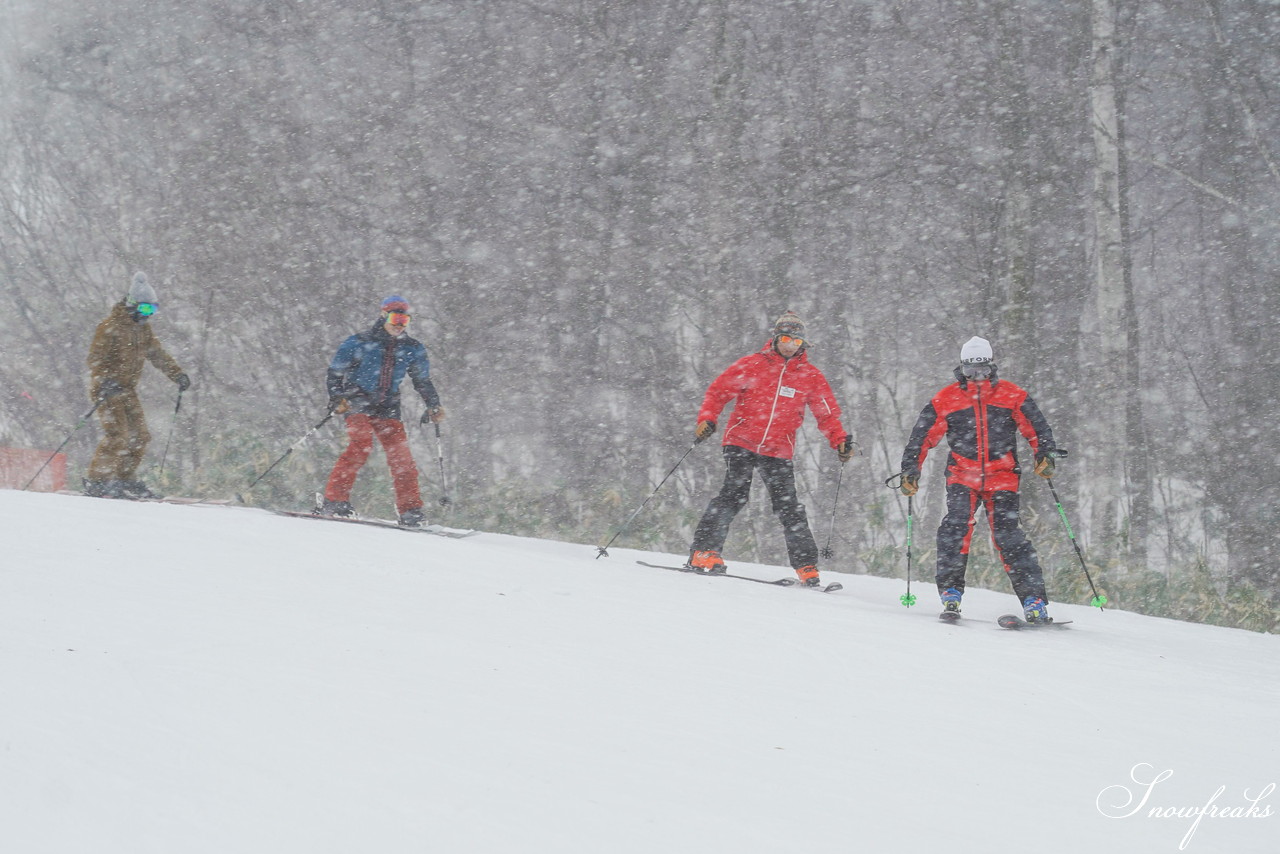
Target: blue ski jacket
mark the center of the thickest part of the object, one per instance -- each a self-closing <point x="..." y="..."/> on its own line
<point x="368" y="368"/>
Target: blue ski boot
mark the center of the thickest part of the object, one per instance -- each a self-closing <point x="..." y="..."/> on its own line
<point x="950" y="605"/>
<point x="1036" y="610"/>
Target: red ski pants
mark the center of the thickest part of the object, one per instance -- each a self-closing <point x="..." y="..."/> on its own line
<point x="404" y="473"/>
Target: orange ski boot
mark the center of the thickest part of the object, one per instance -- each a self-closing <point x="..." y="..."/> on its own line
<point x="708" y="562"/>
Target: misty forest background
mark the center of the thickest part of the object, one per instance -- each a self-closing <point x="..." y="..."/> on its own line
<point x="595" y="207"/>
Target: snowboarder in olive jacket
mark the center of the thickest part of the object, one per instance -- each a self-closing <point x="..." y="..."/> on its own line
<point x="120" y="345"/>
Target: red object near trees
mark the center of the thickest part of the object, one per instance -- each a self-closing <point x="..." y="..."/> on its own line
<point x="18" y="465"/>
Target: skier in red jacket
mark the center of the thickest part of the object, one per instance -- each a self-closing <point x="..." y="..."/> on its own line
<point x="981" y="416"/>
<point x="770" y="390"/>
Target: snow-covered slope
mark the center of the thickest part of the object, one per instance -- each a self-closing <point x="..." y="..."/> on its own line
<point x="204" y="679"/>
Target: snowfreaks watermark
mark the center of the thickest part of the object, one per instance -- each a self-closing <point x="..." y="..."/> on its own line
<point x="1123" y="801"/>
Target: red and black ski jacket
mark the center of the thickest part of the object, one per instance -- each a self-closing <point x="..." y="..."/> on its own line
<point x="981" y="420"/>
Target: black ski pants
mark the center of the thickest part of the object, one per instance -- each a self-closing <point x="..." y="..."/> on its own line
<point x="779" y="478"/>
<point x="1016" y="551"/>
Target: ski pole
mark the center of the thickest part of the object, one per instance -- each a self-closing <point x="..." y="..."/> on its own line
<point x="165" y="455"/>
<point x="907" y="599"/>
<point x="445" y="500"/>
<point x="826" y="550"/>
<point x="1099" y="600"/>
<point x="83" y="420"/>
<point x="285" y="455"/>
<point x="603" y="551"/>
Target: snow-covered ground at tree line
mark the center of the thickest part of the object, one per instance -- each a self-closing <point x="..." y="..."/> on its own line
<point x="214" y="679"/>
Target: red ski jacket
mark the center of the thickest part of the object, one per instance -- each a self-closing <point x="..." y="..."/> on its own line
<point x="981" y="420"/>
<point x="769" y="395"/>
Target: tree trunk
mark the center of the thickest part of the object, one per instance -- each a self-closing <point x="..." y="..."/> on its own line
<point x="1106" y="345"/>
<point x="1013" y="268"/>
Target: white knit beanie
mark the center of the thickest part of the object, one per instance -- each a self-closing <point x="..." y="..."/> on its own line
<point x="975" y="350"/>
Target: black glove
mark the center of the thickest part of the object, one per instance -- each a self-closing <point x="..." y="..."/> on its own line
<point x="1045" y="464"/>
<point x="910" y="484"/>
<point x="703" y="430"/>
<point x="183" y="381"/>
<point x="433" y="415"/>
<point x="108" y="389"/>
<point x="845" y="450"/>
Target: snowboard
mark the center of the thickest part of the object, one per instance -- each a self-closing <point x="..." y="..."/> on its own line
<point x="166" y="499"/>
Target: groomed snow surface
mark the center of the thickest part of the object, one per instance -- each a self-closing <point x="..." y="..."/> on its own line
<point x="182" y="679"/>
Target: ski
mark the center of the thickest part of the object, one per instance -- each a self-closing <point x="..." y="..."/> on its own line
<point x="437" y="530"/>
<point x="781" y="582"/>
<point x="1013" y="621"/>
<point x="949" y="616"/>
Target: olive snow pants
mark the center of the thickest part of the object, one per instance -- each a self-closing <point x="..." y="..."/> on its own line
<point x="124" y="438"/>
<point x="780" y="480"/>
<point x="1016" y="551"/>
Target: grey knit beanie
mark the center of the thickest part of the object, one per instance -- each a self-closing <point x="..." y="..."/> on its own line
<point x="140" y="291"/>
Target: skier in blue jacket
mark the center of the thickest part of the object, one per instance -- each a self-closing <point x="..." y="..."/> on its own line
<point x="364" y="385"/>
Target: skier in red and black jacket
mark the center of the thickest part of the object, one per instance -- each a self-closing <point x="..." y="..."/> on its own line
<point x="770" y="390"/>
<point x="982" y="415"/>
